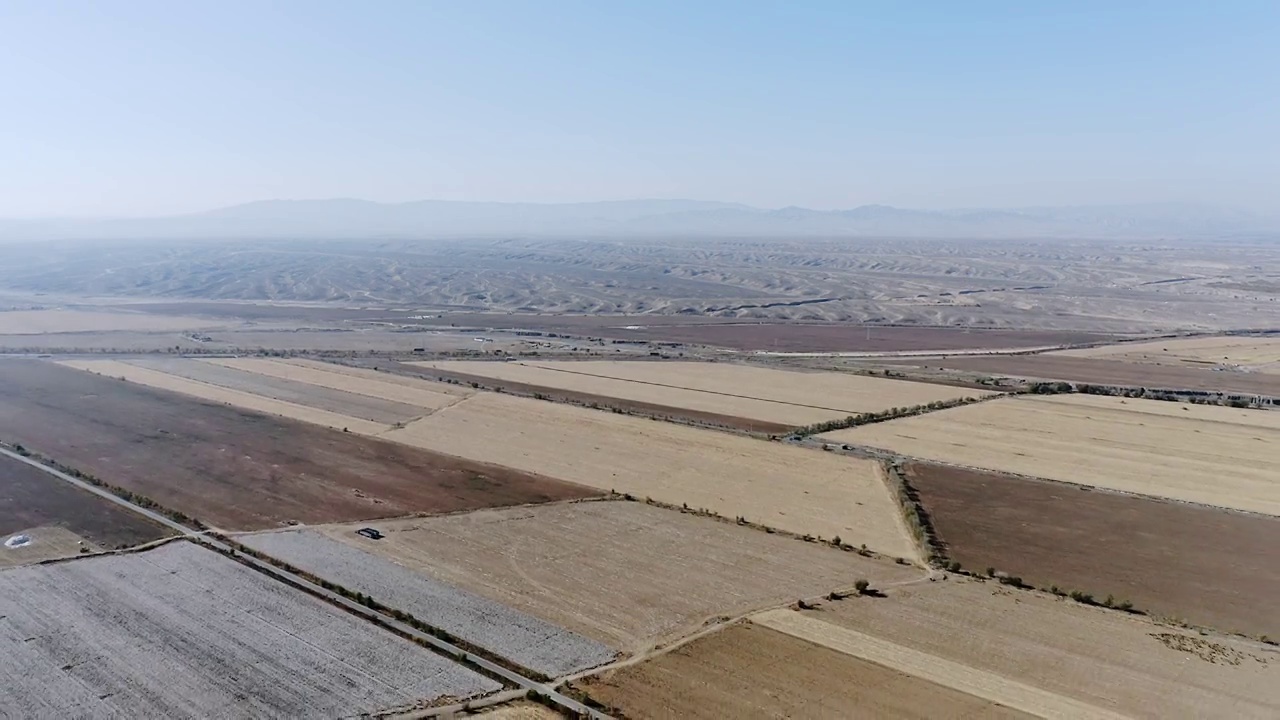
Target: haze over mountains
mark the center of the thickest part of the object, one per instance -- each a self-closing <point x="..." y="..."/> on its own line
<point x="354" y="219"/>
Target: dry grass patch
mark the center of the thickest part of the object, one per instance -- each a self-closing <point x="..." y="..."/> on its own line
<point x="1197" y="453"/>
<point x="795" y="489"/>
<point x="749" y="671"/>
<point x="625" y="573"/>
<point x="1109" y="660"/>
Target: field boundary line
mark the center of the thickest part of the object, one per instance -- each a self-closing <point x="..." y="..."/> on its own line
<point x="305" y="585"/>
<point x="938" y="670"/>
<point x="690" y="389"/>
<point x="251" y="402"/>
<point x="883" y="454"/>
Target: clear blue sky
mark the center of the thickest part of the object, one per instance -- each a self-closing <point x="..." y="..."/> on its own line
<point x="133" y="107"/>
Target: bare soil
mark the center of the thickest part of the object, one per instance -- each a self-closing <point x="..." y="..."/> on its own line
<point x="1204" y="565"/>
<point x="32" y="498"/>
<point x="241" y="470"/>
<point x="1112" y="372"/>
<point x="752" y="671"/>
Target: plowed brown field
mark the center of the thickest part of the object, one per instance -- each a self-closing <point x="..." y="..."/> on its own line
<point x="31" y="498"/>
<point x="752" y="671"/>
<point x="237" y="469"/>
<point x="1204" y="565"/>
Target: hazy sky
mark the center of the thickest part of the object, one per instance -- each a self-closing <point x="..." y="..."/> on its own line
<point x="128" y="107"/>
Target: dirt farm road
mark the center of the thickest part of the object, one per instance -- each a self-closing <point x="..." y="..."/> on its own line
<point x="350" y="605"/>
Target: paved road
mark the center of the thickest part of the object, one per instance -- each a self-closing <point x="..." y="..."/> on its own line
<point x="435" y="642"/>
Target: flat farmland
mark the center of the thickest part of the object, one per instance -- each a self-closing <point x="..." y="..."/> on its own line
<point x="423" y="394"/>
<point x="786" y="336"/>
<point x="1255" y="353"/>
<point x="997" y="690"/>
<point x="241" y="470"/>
<point x="226" y="396"/>
<point x="790" y="488"/>
<point x="1207" y="566"/>
<point x="573" y="397"/>
<point x="1220" y="456"/>
<point x="180" y="631"/>
<point x="58" y="515"/>
<point x="1105" y="371"/>
<point x="730" y="389"/>
<point x="36" y="322"/>
<point x="627" y="574"/>
<point x="378" y="410"/>
<point x="752" y="671"/>
<point x="1105" y="659"/>
<point x="525" y="640"/>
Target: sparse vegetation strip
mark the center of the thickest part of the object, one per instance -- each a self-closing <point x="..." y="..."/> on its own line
<point x="127" y="495"/>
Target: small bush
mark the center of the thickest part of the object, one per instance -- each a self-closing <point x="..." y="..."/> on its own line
<point x="862" y="586"/>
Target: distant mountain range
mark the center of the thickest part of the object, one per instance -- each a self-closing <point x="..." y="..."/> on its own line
<point x="353" y="219"/>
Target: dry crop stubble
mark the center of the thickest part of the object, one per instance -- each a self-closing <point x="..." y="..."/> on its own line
<point x="526" y="640"/>
<point x="1107" y="659"/>
<point x="628" y="574"/>
<point x="749" y="670"/>
<point x="423" y="394"/>
<point x="1219" y="456"/>
<point x="237" y="398"/>
<point x="321" y="398"/>
<point x="799" y="490"/>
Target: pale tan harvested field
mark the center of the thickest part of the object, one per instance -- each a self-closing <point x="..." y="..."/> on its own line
<point x="47" y="543"/>
<point x="214" y="393"/>
<point x="795" y="489"/>
<point x="947" y="673"/>
<point x="36" y="322"/>
<point x="377" y="410"/>
<point x="1259" y="354"/>
<point x="627" y="574"/>
<point x="750" y="671"/>
<point x="739" y="407"/>
<point x="375" y="374"/>
<point x="1215" y="455"/>
<point x="800" y="398"/>
<point x="1122" y="663"/>
<point x="424" y="393"/>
